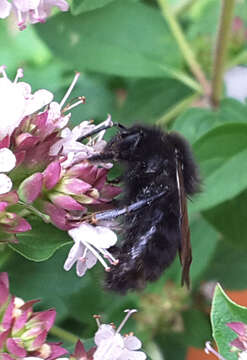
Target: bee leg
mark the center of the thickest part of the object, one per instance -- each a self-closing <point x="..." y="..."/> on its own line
<point x="114" y="213"/>
<point x="104" y="126"/>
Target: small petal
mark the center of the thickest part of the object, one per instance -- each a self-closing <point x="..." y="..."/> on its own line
<point x="132" y="343"/>
<point x="100" y="236"/>
<point x="66" y="202"/>
<point x="7" y="160"/>
<point x="38" y="100"/>
<point x="239" y="327"/>
<point x="31" y="188"/>
<point x="75" y="252"/>
<point x="52" y="175"/>
<point x="103" y="333"/>
<point x="5" y="8"/>
<point x="5" y="184"/>
<point x="14" y="348"/>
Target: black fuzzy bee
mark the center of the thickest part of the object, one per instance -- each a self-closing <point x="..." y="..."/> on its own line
<point x="159" y="174"/>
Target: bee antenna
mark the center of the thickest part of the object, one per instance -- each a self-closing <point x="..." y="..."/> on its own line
<point x="120" y="126"/>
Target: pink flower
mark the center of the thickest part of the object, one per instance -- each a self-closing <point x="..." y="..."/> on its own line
<point x="81" y="354"/>
<point x="241" y="330"/>
<point x="31" y="11"/>
<point x="10" y="223"/>
<point x="23" y="332"/>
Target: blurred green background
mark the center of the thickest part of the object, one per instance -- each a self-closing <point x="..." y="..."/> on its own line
<point x="133" y="68"/>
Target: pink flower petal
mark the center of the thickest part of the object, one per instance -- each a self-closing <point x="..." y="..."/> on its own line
<point x="31" y="188"/>
<point x="5" y="356"/>
<point x="26" y="141"/>
<point x="109" y="192"/>
<point x="56" y="351"/>
<point x="3" y="206"/>
<point x="14" y="347"/>
<point x="238" y="344"/>
<point x="7" y="318"/>
<point x="5" y="142"/>
<point x="79" y="350"/>
<point x="20" y="156"/>
<point x="52" y="175"/>
<point x="239" y="327"/>
<point x="17" y="225"/>
<point x="19" y="322"/>
<point x="66" y="202"/>
<point x="57" y="215"/>
<point x="3" y="336"/>
<point x="39" y="340"/>
<point x="75" y="186"/>
<point x="47" y="318"/>
<point x="11" y="197"/>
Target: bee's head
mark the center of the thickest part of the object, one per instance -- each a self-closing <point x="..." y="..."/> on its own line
<point x="126" y="145"/>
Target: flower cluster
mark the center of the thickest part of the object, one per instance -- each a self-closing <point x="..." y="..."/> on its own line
<point x="44" y="170"/>
<point x="32" y="11"/>
<point x="23" y="332"/>
<point x="238" y="345"/>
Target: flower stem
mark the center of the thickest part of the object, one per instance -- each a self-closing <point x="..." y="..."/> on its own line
<point x="63" y="334"/>
<point x="185" y="48"/>
<point x="31" y="208"/>
<point x="177" y="109"/>
<point x="224" y="30"/>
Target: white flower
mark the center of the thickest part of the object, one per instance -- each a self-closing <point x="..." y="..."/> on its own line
<point x="111" y="345"/>
<point x="77" y="151"/>
<point x="243" y="355"/>
<point x="90" y="242"/>
<point x="17" y="101"/>
<point x="7" y="163"/>
<point x="236" y="83"/>
<point x="31" y="11"/>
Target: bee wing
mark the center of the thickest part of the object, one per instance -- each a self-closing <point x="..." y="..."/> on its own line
<point x="185" y="252"/>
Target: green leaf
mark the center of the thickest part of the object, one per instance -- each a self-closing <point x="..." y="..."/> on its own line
<point x="234" y="229"/>
<point x="122" y="38"/>
<point x="228" y="266"/>
<point x="47" y="281"/>
<point x="80" y="6"/>
<point x="148" y="100"/>
<point x="224" y="310"/>
<point x="196" y="122"/>
<point x="222" y="157"/>
<point x="197" y="328"/>
<point x="41" y="242"/>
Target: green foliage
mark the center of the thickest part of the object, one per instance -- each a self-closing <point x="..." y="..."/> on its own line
<point x="41" y="242"/>
<point x="224" y="310"/>
<point x="80" y="6"/>
<point x="113" y="40"/>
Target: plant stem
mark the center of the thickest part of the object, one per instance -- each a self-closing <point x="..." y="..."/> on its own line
<point x="63" y="334"/>
<point x="185" y="48"/>
<point x="181" y="7"/>
<point x="177" y="109"/>
<point x="224" y="30"/>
